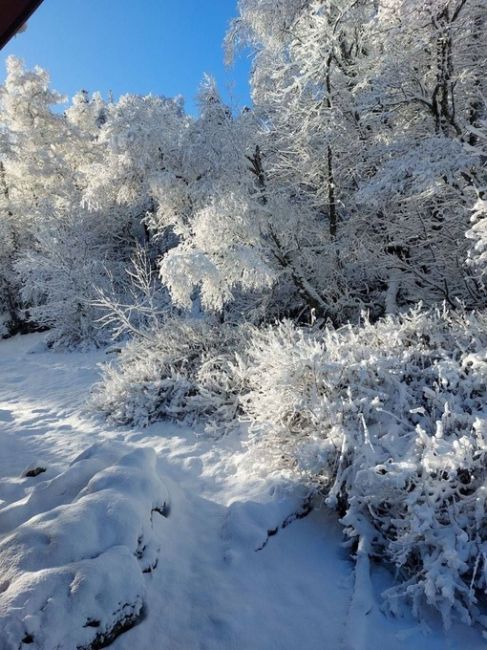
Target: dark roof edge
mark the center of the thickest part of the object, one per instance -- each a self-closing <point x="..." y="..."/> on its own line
<point x="14" y="14"/>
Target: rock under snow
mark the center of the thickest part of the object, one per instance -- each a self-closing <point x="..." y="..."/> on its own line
<point x="75" y="550"/>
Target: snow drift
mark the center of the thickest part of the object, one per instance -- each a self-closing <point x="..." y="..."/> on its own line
<point x="73" y="574"/>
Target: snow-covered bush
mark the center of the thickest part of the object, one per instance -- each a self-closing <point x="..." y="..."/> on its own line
<point x="478" y="234"/>
<point x="182" y="370"/>
<point x="389" y="420"/>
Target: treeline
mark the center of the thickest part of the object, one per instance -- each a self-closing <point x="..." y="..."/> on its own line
<point x="351" y="184"/>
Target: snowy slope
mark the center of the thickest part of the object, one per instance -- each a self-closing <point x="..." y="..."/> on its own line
<point x="229" y="575"/>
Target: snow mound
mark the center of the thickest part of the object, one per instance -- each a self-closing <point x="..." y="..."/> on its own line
<point x="75" y="550"/>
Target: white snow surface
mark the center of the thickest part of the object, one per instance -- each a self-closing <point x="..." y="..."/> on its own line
<point x="170" y="527"/>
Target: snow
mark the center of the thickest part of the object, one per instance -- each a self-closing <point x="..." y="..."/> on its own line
<point x="223" y="563"/>
<point x="65" y="544"/>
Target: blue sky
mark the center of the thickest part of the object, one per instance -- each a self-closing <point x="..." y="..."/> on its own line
<point x="139" y="46"/>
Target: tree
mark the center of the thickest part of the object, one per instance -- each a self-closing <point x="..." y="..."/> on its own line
<point x="32" y="176"/>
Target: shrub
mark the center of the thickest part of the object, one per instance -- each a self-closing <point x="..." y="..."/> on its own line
<point x="182" y="370"/>
<point x="389" y="420"/>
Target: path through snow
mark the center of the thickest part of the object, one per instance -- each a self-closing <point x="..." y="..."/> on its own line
<point x="213" y="588"/>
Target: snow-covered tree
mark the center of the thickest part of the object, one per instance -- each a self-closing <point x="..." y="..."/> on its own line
<point x="477" y="234"/>
<point x="214" y="207"/>
<point x="61" y="247"/>
<point x="33" y="178"/>
<point x="9" y="290"/>
<point x="419" y="90"/>
<point x="366" y="109"/>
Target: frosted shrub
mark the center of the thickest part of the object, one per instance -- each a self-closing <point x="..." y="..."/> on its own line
<point x="182" y="370"/>
<point x="478" y="234"/>
<point x="389" y="420"/>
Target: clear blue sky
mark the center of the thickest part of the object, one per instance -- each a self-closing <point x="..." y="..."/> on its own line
<point x="139" y="46"/>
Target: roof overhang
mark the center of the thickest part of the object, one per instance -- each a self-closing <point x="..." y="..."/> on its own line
<point x="14" y="14"/>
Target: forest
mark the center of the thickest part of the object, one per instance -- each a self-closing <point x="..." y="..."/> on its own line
<point x="308" y="275"/>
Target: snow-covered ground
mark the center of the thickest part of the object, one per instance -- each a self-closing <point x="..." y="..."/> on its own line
<point x="206" y="554"/>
